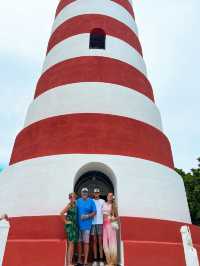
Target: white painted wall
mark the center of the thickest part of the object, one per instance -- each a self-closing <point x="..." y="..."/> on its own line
<point x="191" y="256"/>
<point x="103" y="7"/>
<point x="144" y="188"/>
<point x="78" y="45"/>
<point x="94" y="97"/>
<point x="4" y="230"/>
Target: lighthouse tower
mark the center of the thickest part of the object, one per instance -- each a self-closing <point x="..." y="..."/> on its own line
<point x="93" y="121"/>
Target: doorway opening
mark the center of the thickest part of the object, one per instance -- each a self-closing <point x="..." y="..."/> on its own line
<point x="94" y="179"/>
<point x="97" y="175"/>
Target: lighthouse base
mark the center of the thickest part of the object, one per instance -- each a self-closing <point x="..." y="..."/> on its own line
<point x="155" y="242"/>
<point x="142" y="188"/>
<point x="40" y="241"/>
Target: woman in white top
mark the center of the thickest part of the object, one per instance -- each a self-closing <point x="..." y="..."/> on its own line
<point x="110" y="226"/>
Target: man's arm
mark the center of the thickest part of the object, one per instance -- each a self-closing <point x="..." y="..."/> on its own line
<point x="88" y="216"/>
<point x="91" y="214"/>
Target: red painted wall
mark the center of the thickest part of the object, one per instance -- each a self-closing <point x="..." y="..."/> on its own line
<point x="94" y="69"/>
<point x="124" y="3"/>
<point x="92" y="134"/>
<point x="40" y="241"/>
<point x="86" y="23"/>
<point x="35" y="253"/>
<point x="155" y="230"/>
<point x="153" y="254"/>
<point x="155" y="242"/>
<point x="35" y="241"/>
<point x="36" y="227"/>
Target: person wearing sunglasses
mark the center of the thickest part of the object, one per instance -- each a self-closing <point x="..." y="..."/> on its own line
<point x="86" y="210"/>
<point x="97" y="229"/>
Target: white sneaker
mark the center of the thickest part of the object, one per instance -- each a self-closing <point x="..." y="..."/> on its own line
<point x="94" y="263"/>
<point x="101" y="263"/>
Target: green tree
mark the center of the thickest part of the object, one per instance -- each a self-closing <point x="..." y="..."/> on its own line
<point x="192" y="185"/>
<point x="1" y="168"/>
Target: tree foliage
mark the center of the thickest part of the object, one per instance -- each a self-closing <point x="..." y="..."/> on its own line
<point x="192" y="185"/>
<point x="1" y="168"/>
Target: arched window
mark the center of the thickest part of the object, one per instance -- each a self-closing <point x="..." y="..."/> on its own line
<point x="97" y="39"/>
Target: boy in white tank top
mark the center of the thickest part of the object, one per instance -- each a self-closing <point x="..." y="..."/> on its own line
<point x="97" y="228"/>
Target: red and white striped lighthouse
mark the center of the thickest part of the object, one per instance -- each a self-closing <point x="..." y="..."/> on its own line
<point x="93" y="121"/>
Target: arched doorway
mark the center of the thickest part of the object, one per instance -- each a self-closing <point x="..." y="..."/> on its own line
<point x="97" y="174"/>
<point x="93" y="179"/>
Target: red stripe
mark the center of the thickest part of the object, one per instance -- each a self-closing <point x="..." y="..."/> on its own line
<point x="124" y="3"/>
<point x="62" y="4"/>
<point x="85" y="24"/>
<point x="94" y="69"/>
<point x="40" y="240"/>
<point x="154" y="242"/>
<point x="35" y="253"/>
<point x="92" y="134"/>
<point x="37" y="227"/>
<point x="145" y="229"/>
<point x="153" y="254"/>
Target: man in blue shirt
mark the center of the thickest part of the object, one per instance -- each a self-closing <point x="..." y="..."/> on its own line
<point x="86" y="210"/>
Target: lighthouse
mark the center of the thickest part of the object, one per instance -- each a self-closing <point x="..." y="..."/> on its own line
<point x="94" y="122"/>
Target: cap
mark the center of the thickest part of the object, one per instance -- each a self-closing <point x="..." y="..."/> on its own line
<point x="96" y="190"/>
<point x="84" y="190"/>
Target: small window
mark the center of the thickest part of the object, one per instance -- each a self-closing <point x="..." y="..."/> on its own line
<point x="97" y="39"/>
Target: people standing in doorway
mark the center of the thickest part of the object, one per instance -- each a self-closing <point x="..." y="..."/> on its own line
<point x="110" y="227"/>
<point x="69" y="217"/>
<point x="86" y="210"/>
<point x="97" y="229"/>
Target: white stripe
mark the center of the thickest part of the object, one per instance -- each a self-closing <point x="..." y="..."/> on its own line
<point x="4" y="230"/>
<point x="122" y="253"/>
<point x="94" y="97"/>
<point x="143" y="188"/>
<point x="190" y="252"/>
<point x="100" y="7"/>
<point x="78" y="45"/>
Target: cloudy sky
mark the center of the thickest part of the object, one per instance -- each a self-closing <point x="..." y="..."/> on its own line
<point x="169" y="32"/>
